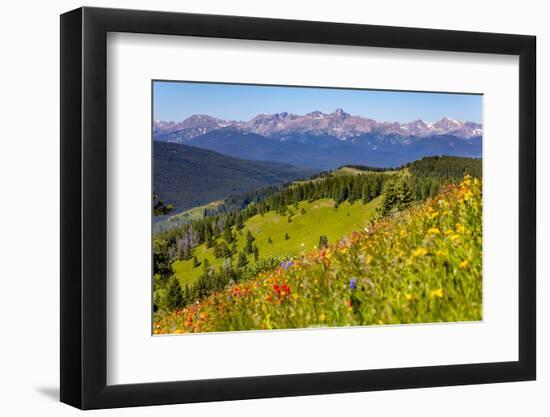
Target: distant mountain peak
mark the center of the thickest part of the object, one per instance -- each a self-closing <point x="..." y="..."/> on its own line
<point x="338" y="124"/>
<point x="340" y="112"/>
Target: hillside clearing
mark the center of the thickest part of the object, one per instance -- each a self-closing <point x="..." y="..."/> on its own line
<point x="320" y="218"/>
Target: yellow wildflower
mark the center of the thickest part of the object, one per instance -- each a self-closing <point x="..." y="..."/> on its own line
<point x="433" y="231"/>
<point x="322" y="317"/>
<point x="468" y="195"/>
<point x="454" y="237"/>
<point x="463" y="264"/>
<point x="437" y="293"/>
<point x="420" y="252"/>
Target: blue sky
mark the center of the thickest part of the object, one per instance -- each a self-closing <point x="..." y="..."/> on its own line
<point x="179" y="100"/>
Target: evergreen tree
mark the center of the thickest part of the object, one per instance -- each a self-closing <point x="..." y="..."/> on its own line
<point x="242" y="260"/>
<point x="404" y="194"/>
<point x="270" y="241"/>
<point x="323" y="241"/>
<point x="287" y="236"/>
<point x="159" y="208"/>
<point x="256" y="253"/>
<point x="228" y="235"/>
<point x="174" y="295"/>
<point x="161" y="260"/>
<point x="206" y="266"/>
<point x="196" y="262"/>
<point x="249" y="242"/>
<point x="389" y="200"/>
<point x="240" y="222"/>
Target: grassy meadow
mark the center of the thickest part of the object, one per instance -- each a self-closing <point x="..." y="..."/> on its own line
<point x="309" y="220"/>
<point x="417" y="263"/>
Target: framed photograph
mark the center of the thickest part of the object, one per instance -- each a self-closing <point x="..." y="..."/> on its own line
<point x="258" y="208"/>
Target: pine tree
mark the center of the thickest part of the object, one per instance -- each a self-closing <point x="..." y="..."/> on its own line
<point x="249" y="242"/>
<point x="174" y="295"/>
<point x="206" y="266"/>
<point x="256" y="254"/>
<point x="389" y="200"/>
<point x="161" y="260"/>
<point x="270" y="241"/>
<point x="323" y="241"/>
<point x="242" y="260"/>
<point x="287" y="236"/>
<point x="196" y="262"/>
<point x="228" y="235"/>
<point x="240" y="222"/>
<point x="404" y="194"/>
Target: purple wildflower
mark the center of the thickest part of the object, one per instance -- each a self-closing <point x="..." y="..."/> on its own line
<point x="286" y="264"/>
<point x="352" y="284"/>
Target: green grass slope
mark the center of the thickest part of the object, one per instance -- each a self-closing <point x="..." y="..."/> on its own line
<point x="320" y="218"/>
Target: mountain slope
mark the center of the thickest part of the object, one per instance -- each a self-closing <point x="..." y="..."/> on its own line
<point x="185" y="176"/>
<point x="325" y="152"/>
<point x="324" y="141"/>
<point x="420" y="265"/>
<point x="318" y="218"/>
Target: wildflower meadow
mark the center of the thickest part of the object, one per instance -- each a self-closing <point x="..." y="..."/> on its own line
<point x="419" y="264"/>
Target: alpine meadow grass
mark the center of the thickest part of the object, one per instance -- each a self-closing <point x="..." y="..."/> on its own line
<point x="422" y="264"/>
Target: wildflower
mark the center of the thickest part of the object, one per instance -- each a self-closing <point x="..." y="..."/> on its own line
<point x="409" y="297"/>
<point x="437" y="293"/>
<point x="454" y="237"/>
<point x="322" y="317"/>
<point x="353" y="284"/>
<point x="463" y="264"/>
<point x="440" y="254"/>
<point x="433" y="231"/>
<point x="420" y="252"/>
<point x="459" y="228"/>
<point x="286" y="264"/>
<point x="468" y="195"/>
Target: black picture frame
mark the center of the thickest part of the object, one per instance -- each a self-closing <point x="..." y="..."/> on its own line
<point x="84" y="207"/>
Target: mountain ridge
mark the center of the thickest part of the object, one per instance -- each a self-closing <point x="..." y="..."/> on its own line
<point x="339" y="124"/>
<point x="187" y="176"/>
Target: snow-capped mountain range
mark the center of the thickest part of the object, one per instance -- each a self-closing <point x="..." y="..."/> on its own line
<point x="338" y="124"/>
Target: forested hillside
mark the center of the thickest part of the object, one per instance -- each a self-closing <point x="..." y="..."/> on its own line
<point x="186" y="177"/>
<point x="254" y="232"/>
